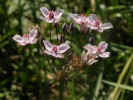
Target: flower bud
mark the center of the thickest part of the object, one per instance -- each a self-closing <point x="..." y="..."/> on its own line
<point x="56" y="25"/>
<point x="91" y="40"/>
<point x="39" y="32"/>
<point x="72" y="27"/>
<point x="62" y="38"/>
<point x="64" y="27"/>
<point x="84" y="29"/>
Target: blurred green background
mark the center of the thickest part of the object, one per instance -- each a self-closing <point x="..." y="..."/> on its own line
<point x="19" y="76"/>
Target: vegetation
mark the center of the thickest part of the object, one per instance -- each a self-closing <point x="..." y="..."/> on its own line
<point x="22" y="79"/>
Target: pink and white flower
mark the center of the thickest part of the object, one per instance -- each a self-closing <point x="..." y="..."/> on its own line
<point x="100" y="50"/>
<point x="79" y="19"/>
<point x="88" y="58"/>
<point x="83" y="21"/>
<point x="96" y="24"/>
<point x="51" y="16"/>
<point x="28" y="38"/>
<point x="90" y="22"/>
<point x="55" y="50"/>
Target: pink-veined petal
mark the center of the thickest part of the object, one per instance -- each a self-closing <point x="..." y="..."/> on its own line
<point x="62" y="48"/>
<point x="88" y="47"/>
<point x="49" y="20"/>
<point x="107" y="25"/>
<point x="76" y="18"/>
<point x="93" y="17"/>
<point x="58" y="13"/>
<point x="34" y="41"/>
<point x="47" y="52"/>
<point x="59" y="55"/>
<point x="26" y="40"/>
<point x="84" y="56"/>
<point x="18" y="38"/>
<point x="44" y="11"/>
<point x="103" y="45"/>
<point x="42" y="17"/>
<point x="22" y="43"/>
<point x="104" y="54"/>
<point x="48" y="45"/>
<point x="91" y="61"/>
<point x="32" y="34"/>
<point x="56" y="20"/>
<point x="46" y="19"/>
<point x="94" y="50"/>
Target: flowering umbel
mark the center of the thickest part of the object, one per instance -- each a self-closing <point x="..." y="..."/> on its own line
<point x="67" y="68"/>
<point x="51" y="16"/>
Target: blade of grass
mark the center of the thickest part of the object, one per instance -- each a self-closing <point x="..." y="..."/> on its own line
<point x="128" y="76"/>
<point x="118" y="85"/>
<point x="98" y="85"/>
<point x="124" y="71"/>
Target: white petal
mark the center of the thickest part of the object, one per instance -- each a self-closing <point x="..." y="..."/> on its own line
<point x="88" y="47"/>
<point x="103" y="45"/>
<point x="48" y="45"/>
<point x="107" y="25"/>
<point x="22" y="43"/>
<point x="47" y="52"/>
<point x="34" y="41"/>
<point x="46" y="19"/>
<point x="91" y="61"/>
<point x="62" y="48"/>
<point x="83" y="56"/>
<point x="18" y="38"/>
<point x="26" y="40"/>
<point x="44" y="11"/>
<point x="32" y="33"/>
<point x="94" y="50"/>
<point x="104" y="54"/>
<point x="93" y="17"/>
<point x="76" y="18"/>
<point x="58" y="13"/>
<point x="56" y="20"/>
<point x="59" y="56"/>
<point x="42" y="17"/>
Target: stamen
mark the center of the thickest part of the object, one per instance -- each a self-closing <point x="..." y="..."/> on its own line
<point x="54" y="48"/>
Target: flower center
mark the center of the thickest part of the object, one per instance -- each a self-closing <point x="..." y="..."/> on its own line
<point x="26" y="36"/>
<point x="51" y="15"/>
<point x="96" y="23"/>
<point x="99" y="49"/>
<point x="54" y="48"/>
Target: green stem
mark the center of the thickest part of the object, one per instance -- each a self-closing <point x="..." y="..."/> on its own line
<point x="61" y="89"/>
<point x="57" y="35"/>
<point x="50" y="32"/>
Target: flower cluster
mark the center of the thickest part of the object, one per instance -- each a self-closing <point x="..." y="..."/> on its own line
<point x="88" y="57"/>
